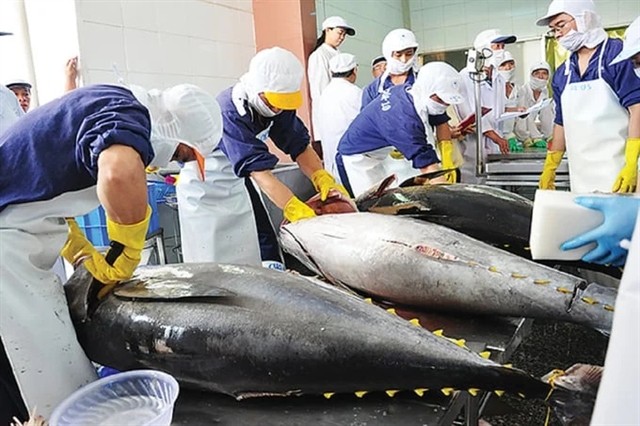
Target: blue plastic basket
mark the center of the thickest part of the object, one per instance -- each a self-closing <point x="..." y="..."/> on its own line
<point x="94" y="223"/>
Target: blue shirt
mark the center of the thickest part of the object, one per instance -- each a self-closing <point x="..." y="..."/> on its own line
<point x="244" y="136"/>
<point x="371" y="91"/>
<point x="620" y="77"/>
<point x="390" y="120"/>
<point x="55" y="148"/>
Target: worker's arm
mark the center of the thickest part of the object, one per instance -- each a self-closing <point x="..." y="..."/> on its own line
<point x="498" y="140"/>
<point x="558" y="142"/>
<point x="71" y="74"/>
<point x="293" y="209"/>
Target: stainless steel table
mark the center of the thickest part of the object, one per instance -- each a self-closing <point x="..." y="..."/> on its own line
<point x="522" y="169"/>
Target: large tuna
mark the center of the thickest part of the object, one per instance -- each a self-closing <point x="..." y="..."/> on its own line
<point x="251" y="332"/>
<point x="489" y="214"/>
<point x="418" y="263"/>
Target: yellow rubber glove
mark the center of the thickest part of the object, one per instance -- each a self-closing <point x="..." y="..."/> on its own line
<point x="324" y="183"/>
<point x="295" y="210"/>
<point x="548" y="176"/>
<point x="396" y="155"/>
<point x="446" y="149"/>
<point x="627" y="179"/>
<point x="130" y="237"/>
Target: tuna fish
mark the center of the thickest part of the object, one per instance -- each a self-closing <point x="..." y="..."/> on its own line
<point x="250" y="332"/>
<point x="416" y="263"/>
<point x="489" y="214"/>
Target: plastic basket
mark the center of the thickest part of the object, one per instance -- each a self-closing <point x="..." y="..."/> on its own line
<point x="139" y="397"/>
<point x="94" y="223"/>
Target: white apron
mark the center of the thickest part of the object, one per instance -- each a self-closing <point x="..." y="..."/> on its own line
<point x="216" y="218"/>
<point x="370" y="168"/>
<point x="35" y="325"/>
<point x="596" y="128"/>
<point x="617" y="402"/>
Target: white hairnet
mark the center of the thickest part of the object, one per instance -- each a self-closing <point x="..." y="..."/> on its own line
<point x="437" y="78"/>
<point x="583" y="11"/>
<point x="397" y="40"/>
<point x="342" y="62"/>
<point x="485" y="38"/>
<point x="506" y="57"/>
<point x="542" y="65"/>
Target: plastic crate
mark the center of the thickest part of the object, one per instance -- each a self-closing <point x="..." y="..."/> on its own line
<point x="94" y="223"/>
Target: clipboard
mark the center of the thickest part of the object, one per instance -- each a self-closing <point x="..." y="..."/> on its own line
<point x="471" y="119"/>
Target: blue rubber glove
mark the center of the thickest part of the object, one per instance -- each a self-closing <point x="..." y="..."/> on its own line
<point x="620" y="213"/>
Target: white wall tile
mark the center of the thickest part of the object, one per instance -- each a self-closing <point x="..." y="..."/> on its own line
<point x="101" y="46"/>
<point x="174" y="16"/>
<point x="147" y="80"/>
<point x="99" y="76"/>
<point x="176" y="57"/>
<point x="142" y="50"/>
<point x="139" y="14"/>
<point x="101" y="11"/>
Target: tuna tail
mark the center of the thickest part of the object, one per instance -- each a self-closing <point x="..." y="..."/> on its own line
<point x="424" y="178"/>
<point x="574" y="393"/>
<point x="82" y="293"/>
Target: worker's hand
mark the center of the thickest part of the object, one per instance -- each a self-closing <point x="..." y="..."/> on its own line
<point x="446" y="149"/>
<point x="539" y="143"/>
<point x="514" y="145"/>
<point x="620" y="213"/>
<point x="295" y="210"/>
<point x="502" y="143"/>
<point x="627" y="179"/>
<point x="548" y="176"/>
<point x="128" y="240"/>
<point x="324" y="183"/>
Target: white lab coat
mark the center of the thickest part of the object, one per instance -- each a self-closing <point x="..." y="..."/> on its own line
<point x="538" y="125"/>
<point x="617" y="402"/>
<point x="319" y="78"/>
<point x="491" y="96"/>
<point x="511" y="101"/>
<point x="339" y="104"/>
<point x="10" y="109"/>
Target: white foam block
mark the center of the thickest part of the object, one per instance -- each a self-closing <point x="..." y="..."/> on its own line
<point x="556" y="219"/>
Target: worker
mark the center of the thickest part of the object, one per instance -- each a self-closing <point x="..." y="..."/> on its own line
<point x="399" y="48"/>
<point x="339" y="105"/>
<point x="62" y="160"/>
<point x="536" y="128"/>
<point x="10" y="110"/>
<point x="22" y="91"/>
<point x="597" y="117"/>
<point x="334" y="31"/>
<point x="216" y="218"/>
<point x="631" y="47"/>
<point x="398" y="120"/>
<point x="492" y="43"/>
<point x="378" y="66"/>
<point x="620" y="385"/>
<point x="507" y="69"/>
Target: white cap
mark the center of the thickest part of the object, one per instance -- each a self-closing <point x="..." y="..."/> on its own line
<point x="397" y="40"/>
<point x="441" y="79"/>
<point x="342" y="62"/>
<point x="485" y="38"/>
<point x="506" y="57"/>
<point x="631" y="44"/>
<point x="542" y="65"/>
<point x="18" y="83"/>
<point x="338" y="22"/>
<point x="277" y="73"/>
<point x="574" y="8"/>
<point x="181" y="114"/>
<point x="377" y="60"/>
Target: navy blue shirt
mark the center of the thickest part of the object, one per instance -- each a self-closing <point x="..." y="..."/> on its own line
<point x="372" y="90"/>
<point x="620" y="77"/>
<point x="244" y="136"/>
<point x="390" y="120"/>
<point x="55" y="148"/>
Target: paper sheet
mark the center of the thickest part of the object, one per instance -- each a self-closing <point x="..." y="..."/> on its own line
<point x="534" y="108"/>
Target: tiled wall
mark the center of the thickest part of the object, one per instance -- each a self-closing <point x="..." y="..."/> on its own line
<point x="372" y="19"/>
<point x="161" y="43"/>
<point x="453" y="24"/>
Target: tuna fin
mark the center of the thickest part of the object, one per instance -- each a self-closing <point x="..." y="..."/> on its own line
<point x="439" y="333"/>
<point x="392" y="311"/>
<point x="493" y="269"/>
<point x="499" y="392"/>
<point x="459" y="342"/>
<point x="485" y="354"/>
<point x="521" y="395"/>
<point x="424" y="178"/>
<point x="368" y="300"/>
<point x="328" y="395"/>
<point x="473" y="391"/>
<point x="377" y="190"/>
<point x="420" y="391"/>
<point x="447" y="391"/>
<point x="163" y="289"/>
<point x="510" y="366"/>
<point x="392" y="392"/>
<point x="541" y="281"/>
<point x="360" y="394"/>
<point x="415" y="321"/>
<point x="517" y="275"/>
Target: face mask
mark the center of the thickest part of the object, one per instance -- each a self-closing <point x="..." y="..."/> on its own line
<point x="573" y="40"/>
<point x="496" y="58"/>
<point x="396" y="67"/>
<point x="435" y="108"/>
<point x="261" y="107"/>
<point x="163" y="150"/>
<point x="537" y="83"/>
<point x="507" y="74"/>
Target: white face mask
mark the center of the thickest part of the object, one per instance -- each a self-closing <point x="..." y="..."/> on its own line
<point x="537" y="83"/>
<point x="573" y="40"/>
<point x="397" y="67"/>
<point x="261" y="107"/>
<point x="496" y="58"/>
<point x="507" y="74"/>
<point x="435" y="108"/>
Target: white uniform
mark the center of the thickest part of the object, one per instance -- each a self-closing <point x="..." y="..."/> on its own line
<point x="319" y="78"/>
<point x="491" y="96"/>
<point x="339" y="105"/>
<point x="538" y="125"/>
<point x="510" y="101"/>
<point x="10" y="109"/>
<point x="617" y="402"/>
<point x="595" y="128"/>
